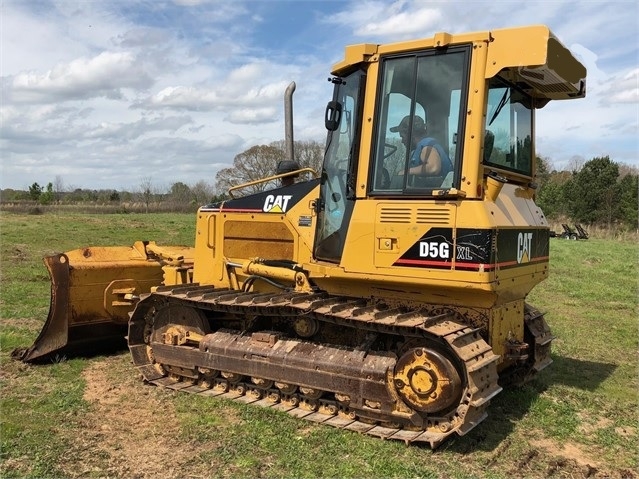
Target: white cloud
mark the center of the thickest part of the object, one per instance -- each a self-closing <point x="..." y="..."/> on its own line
<point x="402" y="23"/>
<point x="202" y="99"/>
<point x="182" y="97"/>
<point x="189" y="3"/>
<point x="104" y="74"/>
<point x="625" y="88"/>
<point x="252" y="115"/>
<point x="142" y="37"/>
<point x="132" y="130"/>
<point x="255" y="87"/>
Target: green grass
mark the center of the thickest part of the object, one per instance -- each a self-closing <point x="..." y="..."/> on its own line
<point x="578" y="416"/>
<point x="34" y="406"/>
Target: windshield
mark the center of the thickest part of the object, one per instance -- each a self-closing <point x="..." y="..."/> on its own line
<point x="420" y="122"/>
<point x="509" y="129"/>
<point x="336" y="201"/>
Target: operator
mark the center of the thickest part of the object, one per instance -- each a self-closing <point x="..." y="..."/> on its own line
<point x="427" y="157"/>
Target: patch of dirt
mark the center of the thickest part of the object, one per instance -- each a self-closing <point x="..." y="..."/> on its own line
<point x="588" y="428"/>
<point x="19" y="253"/>
<point x="570" y="456"/>
<point x="131" y="429"/>
<point x="572" y="459"/>
<point x="626" y="431"/>
<point x="567" y="450"/>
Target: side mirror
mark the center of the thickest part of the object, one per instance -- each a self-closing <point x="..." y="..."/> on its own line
<point x="333" y="115"/>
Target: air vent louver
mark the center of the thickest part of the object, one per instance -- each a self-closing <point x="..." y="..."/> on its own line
<point x="392" y="214"/>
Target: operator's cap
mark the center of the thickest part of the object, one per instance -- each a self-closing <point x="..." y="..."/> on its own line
<point x="418" y="124"/>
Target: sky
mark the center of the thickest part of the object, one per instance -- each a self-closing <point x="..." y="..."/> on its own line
<point x="114" y="94"/>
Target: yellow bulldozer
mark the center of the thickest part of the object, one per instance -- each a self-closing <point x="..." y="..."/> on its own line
<point x="386" y="295"/>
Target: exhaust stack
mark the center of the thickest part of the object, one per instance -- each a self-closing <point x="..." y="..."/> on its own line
<point x="288" y="121"/>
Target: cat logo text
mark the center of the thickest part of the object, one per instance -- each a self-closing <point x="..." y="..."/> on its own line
<point x="276" y="203"/>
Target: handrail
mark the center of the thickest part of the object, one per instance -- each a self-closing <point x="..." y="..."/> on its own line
<point x="271" y="178"/>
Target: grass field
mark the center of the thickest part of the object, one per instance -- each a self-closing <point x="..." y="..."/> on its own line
<point x="95" y="418"/>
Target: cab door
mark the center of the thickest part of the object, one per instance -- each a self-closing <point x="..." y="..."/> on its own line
<point x="337" y="185"/>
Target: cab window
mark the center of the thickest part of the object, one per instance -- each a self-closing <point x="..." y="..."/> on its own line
<point x="509" y="127"/>
<point x="420" y="122"/>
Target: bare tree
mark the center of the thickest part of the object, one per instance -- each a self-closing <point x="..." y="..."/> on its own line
<point x="576" y="163"/>
<point x="180" y="194"/>
<point x="146" y="191"/>
<point x="253" y="164"/>
<point x="309" y="154"/>
<point x="625" y="169"/>
<point x="58" y="187"/>
<point x="202" y="192"/>
<point x="261" y="161"/>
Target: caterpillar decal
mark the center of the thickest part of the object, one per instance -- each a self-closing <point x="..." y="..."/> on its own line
<point x="276" y="203"/>
<point x="276" y="200"/>
<point x="477" y="249"/>
<point x="434" y="250"/>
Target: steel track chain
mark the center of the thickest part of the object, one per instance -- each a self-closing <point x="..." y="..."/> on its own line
<point x="477" y="356"/>
<point x="340" y="420"/>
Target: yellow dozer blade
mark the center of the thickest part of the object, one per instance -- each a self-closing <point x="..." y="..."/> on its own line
<point x="94" y="289"/>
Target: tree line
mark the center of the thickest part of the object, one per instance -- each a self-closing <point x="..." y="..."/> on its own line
<point x="600" y="192"/>
<point x="597" y="192"/>
<point x="251" y="165"/>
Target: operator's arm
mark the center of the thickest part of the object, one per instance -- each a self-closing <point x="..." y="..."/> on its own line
<point x="431" y="163"/>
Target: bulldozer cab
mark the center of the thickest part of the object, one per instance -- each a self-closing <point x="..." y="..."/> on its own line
<point x="421" y="95"/>
<point x="471" y="98"/>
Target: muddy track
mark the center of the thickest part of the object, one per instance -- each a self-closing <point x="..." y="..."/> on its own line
<point x="184" y="367"/>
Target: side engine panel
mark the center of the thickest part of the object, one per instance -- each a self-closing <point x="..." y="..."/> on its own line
<point x="276" y="224"/>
